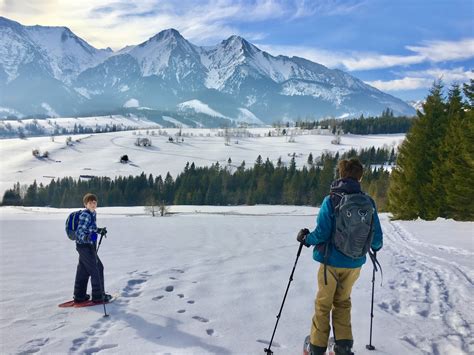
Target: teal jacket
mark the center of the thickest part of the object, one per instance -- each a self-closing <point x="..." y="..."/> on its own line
<point x="323" y="232"/>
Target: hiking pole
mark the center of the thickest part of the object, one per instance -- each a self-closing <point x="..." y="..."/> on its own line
<point x="268" y="350"/>
<point x="103" y="234"/>
<point x="373" y="257"/>
<point x="98" y="272"/>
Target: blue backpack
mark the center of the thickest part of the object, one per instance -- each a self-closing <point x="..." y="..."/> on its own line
<point x="72" y="222"/>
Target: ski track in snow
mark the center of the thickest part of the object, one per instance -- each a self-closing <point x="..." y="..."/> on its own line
<point x="423" y="288"/>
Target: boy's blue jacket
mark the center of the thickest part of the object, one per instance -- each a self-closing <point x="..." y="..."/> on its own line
<point x="325" y="226"/>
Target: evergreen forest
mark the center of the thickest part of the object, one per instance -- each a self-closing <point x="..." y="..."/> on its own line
<point x="384" y="124"/>
<point x="262" y="183"/>
<point x="434" y="174"/>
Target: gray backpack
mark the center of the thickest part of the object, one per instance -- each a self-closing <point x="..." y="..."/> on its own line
<point x="354" y="216"/>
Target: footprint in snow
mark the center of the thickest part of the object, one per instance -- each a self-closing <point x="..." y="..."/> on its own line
<point x="201" y="319"/>
<point x="33" y="346"/>
<point x="169" y="288"/>
<point x="191" y="301"/>
<point x="180" y="295"/>
<point x="157" y="298"/>
<point x="181" y="311"/>
<point x="96" y="349"/>
<point x="133" y="288"/>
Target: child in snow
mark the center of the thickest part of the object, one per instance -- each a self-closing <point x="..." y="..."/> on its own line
<point x="337" y="272"/>
<point x="89" y="263"/>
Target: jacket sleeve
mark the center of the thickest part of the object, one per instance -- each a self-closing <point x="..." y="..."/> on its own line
<point x="324" y="222"/>
<point x="83" y="229"/>
<point x="377" y="241"/>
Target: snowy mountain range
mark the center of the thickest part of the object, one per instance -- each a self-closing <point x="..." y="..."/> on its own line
<point x="50" y="71"/>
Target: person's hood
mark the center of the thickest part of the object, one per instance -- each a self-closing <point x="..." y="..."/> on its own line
<point x="346" y="185"/>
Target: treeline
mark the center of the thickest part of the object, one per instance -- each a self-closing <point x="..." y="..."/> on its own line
<point x="263" y="183"/>
<point x="434" y="176"/>
<point x="384" y="124"/>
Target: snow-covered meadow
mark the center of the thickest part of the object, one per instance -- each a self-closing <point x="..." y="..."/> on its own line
<point x="210" y="280"/>
<point x="99" y="154"/>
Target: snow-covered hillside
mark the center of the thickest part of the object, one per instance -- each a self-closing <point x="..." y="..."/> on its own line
<point x="210" y="280"/>
<point x="99" y="154"/>
<point x="56" y="125"/>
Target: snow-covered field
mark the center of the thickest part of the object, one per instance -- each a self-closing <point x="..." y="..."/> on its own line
<point x="99" y="154"/>
<point x="210" y="280"/>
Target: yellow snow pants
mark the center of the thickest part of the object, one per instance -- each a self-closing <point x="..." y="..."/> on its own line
<point x="335" y="297"/>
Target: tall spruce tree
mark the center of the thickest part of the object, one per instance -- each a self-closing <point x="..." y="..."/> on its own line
<point x="449" y="151"/>
<point x="459" y="149"/>
<point x="412" y="186"/>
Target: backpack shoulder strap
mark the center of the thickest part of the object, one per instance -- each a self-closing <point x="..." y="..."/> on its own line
<point x="336" y="198"/>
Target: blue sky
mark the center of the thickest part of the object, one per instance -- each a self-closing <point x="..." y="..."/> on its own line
<point x="400" y="47"/>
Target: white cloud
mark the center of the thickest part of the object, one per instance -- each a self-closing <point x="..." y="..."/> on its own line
<point x="438" y="51"/>
<point x="423" y="79"/>
<point x="304" y="8"/>
<point x="432" y="51"/>
<point x="447" y="75"/>
<point x="369" y="61"/>
<point x="435" y="51"/>
<point x="401" y="84"/>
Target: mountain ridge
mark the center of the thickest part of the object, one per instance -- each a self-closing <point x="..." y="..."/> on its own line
<point x="166" y="70"/>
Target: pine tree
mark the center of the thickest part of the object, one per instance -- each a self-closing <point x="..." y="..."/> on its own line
<point x="411" y="187"/>
<point x="459" y="150"/>
<point x="449" y="151"/>
<point x="31" y="197"/>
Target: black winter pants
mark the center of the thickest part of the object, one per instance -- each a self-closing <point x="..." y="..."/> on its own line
<point x="88" y="266"/>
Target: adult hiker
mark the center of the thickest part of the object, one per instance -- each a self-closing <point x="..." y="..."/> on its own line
<point x="347" y="226"/>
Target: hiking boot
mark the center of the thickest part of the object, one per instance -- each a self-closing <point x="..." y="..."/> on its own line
<point x="105" y="299"/>
<point x="317" y="350"/>
<point x="82" y="299"/>
<point x="343" y="347"/>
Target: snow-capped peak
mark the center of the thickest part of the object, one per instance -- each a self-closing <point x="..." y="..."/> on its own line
<point x="167" y="34"/>
<point x="154" y="54"/>
<point x="64" y="54"/>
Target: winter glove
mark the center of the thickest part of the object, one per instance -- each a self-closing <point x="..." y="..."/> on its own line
<point x="93" y="237"/>
<point x="301" y="237"/>
<point x="102" y="231"/>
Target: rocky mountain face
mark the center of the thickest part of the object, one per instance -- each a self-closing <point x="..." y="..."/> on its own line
<point x="49" y="70"/>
